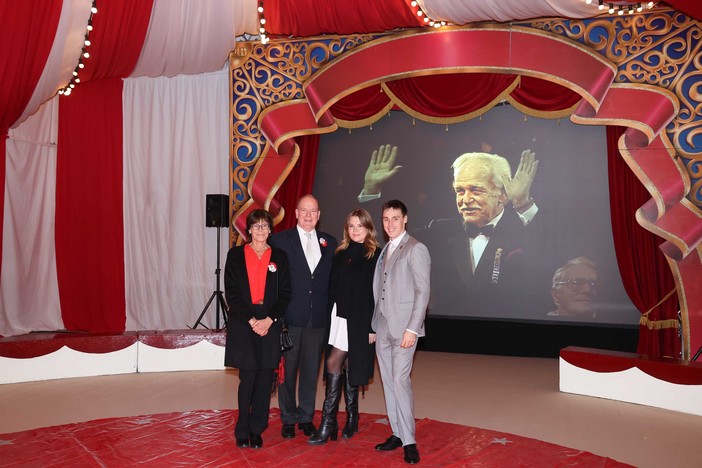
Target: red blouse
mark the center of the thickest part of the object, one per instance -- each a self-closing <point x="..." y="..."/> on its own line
<point x="257" y="269"/>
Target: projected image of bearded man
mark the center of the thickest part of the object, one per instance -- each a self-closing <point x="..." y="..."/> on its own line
<point x="482" y="258"/>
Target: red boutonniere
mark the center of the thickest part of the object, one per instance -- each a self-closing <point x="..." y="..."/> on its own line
<point x="322" y="242"/>
<point x="272" y="267"/>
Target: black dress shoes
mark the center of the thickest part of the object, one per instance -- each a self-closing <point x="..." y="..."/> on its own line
<point x="256" y="441"/>
<point x="242" y="443"/>
<point x="411" y="454"/>
<point x="392" y="443"/>
<point x="308" y="428"/>
<point x="288" y="431"/>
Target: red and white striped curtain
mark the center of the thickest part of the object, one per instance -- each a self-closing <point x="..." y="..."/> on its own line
<point x="104" y="224"/>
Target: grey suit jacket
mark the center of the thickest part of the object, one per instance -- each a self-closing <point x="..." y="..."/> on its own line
<point x="401" y="288"/>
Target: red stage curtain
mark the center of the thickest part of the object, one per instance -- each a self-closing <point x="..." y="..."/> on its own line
<point x="450" y="95"/>
<point x="643" y="267"/>
<point x="544" y="95"/>
<point x="299" y="181"/>
<point x="26" y="37"/>
<point x="303" y="18"/>
<point x="692" y="8"/>
<point x="360" y="105"/>
<point x="89" y="216"/>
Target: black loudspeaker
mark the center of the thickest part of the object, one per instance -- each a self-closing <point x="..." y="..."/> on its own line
<point x="217" y="210"/>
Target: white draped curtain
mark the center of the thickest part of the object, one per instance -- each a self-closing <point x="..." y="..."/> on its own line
<point x="175" y="152"/>
<point x="29" y="297"/>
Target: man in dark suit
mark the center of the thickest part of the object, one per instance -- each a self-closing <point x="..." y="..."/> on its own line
<point x="310" y="253"/>
<point x="401" y="290"/>
<point x="484" y="261"/>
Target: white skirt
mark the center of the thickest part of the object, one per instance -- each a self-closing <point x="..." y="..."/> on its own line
<point x="338" y="334"/>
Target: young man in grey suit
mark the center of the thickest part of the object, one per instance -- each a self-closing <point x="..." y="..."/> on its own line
<point x="401" y="290"/>
<point x="310" y="253"/>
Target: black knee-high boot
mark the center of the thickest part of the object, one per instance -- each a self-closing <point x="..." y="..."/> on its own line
<point x="329" y="427"/>
<point x="351" y="397"/>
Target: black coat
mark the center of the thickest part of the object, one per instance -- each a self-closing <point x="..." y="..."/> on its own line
<point x="352" y="291"/>
<point x="245" y="349"/>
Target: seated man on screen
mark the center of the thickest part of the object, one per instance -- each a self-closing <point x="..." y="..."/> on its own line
<point x="481" y="260"/>
<point x="574" y="289"/>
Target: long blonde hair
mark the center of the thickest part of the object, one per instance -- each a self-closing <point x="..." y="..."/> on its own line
<point x="370" y="243"/>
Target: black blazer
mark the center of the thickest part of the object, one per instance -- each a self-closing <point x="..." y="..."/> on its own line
<point x="309" y="290"/>
<point x="494" y="288"/>
<point x="244" y="348"/>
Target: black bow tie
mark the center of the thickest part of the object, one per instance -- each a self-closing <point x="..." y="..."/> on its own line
<point x="474" y="231"/>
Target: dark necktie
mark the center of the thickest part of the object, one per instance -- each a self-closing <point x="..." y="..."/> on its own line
<point x="474" y="231"/>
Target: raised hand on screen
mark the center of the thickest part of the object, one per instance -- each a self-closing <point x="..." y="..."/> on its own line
<point x="381" y="168"/>
<point x="518" y="187"/>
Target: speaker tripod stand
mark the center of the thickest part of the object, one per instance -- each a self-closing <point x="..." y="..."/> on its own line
<point x="217" y="296"/>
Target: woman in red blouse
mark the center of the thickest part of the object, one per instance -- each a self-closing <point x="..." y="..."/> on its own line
<point x="257" y="288"/>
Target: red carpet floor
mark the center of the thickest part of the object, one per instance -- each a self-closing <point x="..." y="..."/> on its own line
<point x="205" y="438"/>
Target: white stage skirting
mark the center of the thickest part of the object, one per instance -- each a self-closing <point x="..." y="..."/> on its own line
<point x="62" y="355"/>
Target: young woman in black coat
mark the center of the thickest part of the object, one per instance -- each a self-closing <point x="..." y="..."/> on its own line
<point x="257" y="288"/>
<point x="351" y="358"/>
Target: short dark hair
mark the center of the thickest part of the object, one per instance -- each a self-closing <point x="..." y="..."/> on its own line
<point x="259" y="215"/>
<point x="395" y="205"/>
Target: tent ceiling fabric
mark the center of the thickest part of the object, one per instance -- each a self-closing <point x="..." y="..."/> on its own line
<point x="188" y="37"/>
<point x="469" y="11"/>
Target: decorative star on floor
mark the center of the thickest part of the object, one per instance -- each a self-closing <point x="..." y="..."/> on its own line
<point x="144" y="421"/>
<point x="502" y="441"/>
<point x="5" y="442"/>
<point x="382" y="421"/>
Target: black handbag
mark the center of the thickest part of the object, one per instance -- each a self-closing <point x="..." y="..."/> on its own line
<point x="285" y="340"/>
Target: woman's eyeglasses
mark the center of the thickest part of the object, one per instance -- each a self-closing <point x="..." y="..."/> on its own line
<point x="260" y="227"/>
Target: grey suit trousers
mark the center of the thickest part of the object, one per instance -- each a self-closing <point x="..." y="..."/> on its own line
<point x="395" y="366"/>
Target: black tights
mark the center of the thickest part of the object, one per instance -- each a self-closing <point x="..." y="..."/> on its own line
<point x="336" y="360"/>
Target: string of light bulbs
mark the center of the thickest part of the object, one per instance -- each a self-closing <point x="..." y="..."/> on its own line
<point x="262" y="21"/>
<point x="425" y="18"/>
<point x="84" y="54"/>
<point x="621" y="7"/>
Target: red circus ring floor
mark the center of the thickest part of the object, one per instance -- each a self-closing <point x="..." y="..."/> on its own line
<point x="205" y="438"/>
<point x="510" y="395"/>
